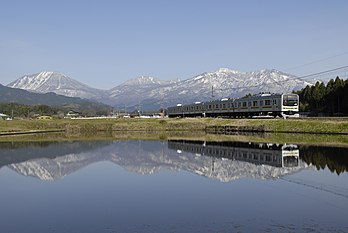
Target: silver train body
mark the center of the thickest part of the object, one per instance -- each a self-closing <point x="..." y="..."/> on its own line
<point x="282" y="105"/>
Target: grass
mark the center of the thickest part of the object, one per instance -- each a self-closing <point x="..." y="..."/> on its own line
<point x="177" y="124"/>
<point x="188" y="128"/>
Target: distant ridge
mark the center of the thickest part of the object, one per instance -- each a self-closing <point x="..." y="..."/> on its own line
<point x="15" y="95"/>
<point x="147" y="92"/>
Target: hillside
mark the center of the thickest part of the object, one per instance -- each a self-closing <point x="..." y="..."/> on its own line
<point x="14" y="95"/>
<point x="58" y="83"/>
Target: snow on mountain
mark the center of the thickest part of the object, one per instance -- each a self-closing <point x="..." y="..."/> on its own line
<point x="225" y="83"/>
<point x="134" y="91"/>
<point x="58" y="83"/>
<point x="152" y="93"/>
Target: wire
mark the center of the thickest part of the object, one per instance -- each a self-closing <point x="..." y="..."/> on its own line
<point x="280" y="83"/>
<point x="323" y="72"/>
<point x="320" y="60"/>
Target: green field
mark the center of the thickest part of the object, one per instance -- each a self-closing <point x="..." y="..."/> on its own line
<point x="333" y="126"/>
<point x="310" y="131"/>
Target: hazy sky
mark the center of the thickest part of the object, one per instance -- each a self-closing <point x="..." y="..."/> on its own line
<point x="103" y="43"/>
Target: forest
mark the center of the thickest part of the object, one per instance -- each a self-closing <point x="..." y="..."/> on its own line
<point x="325" y="100"/>
<point x="15" y="110"/>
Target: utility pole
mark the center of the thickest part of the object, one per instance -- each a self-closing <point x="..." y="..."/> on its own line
<point x="212" y="93"/>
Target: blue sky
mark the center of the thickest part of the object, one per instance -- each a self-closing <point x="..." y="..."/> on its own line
<point x="103" y="43"/>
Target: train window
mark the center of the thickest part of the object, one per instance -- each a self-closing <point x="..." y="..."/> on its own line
<point x="209" y="106"/>
<point x="267" y="102"/>
<point x="217" y="106"/>
<point x="239" y="104"/>
<point x="261" y="102"/>
<point x="244" y="104"/>
<point x="249" y="104"/>
<point x="290" y="100"/>
<point x="223" y="105"/>
<point x="274" y="102"/>
<point x="255" y="103"/>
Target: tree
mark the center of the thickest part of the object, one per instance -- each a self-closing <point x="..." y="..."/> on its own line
<point x="331" y="99"/>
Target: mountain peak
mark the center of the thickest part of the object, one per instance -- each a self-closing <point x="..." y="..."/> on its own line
<point x="49" y="81"/>
<point x="144" y="80"/>
<point x="227" y="70"/>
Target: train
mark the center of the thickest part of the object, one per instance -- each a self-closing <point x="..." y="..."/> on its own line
<point x="263" y="104"/>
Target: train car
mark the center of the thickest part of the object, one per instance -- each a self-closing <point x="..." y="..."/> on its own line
<point x="265" y="104"/>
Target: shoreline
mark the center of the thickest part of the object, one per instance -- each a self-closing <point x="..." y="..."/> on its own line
<point x="207" y="125"/>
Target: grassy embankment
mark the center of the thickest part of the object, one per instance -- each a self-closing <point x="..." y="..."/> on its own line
<point x="160" y="129"/>
<point x="187" y="124"/>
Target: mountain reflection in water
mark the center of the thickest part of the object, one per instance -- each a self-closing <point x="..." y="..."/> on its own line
<point x="306" y="188"/>
<point x="224" y="161"/>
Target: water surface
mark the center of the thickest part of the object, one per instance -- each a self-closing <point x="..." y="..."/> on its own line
<point x="172" y="186"/>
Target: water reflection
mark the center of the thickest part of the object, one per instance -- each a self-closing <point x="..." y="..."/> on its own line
<point x="306" y="188"/>
<point x="224" y="161"/>
<point x="333" y="158"/>
<point x="257" y="153"/>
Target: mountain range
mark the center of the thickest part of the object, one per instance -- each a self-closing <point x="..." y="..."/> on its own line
<point x="152" y="93"/>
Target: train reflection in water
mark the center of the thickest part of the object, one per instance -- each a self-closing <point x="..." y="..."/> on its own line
<point x="276" y="155"/>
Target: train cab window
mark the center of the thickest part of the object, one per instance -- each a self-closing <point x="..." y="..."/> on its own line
<point x="267" y="102"/>
<point x="290" y="100"/>
<point x="255" y="103"/>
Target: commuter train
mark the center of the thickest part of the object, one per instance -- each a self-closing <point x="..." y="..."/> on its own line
<point x="265" y="104"/>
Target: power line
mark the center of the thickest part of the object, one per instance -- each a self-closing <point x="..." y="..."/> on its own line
<point x="316" y="61"/>
<point x="276" y="82"/>
<point x="296" y="77"/>
<point x="323" y="72"/>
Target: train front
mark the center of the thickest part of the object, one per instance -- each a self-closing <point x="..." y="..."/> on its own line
<point x="290" y="105"/>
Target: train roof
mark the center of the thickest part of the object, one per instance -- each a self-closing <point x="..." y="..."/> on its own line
<point x="251" y="97"/>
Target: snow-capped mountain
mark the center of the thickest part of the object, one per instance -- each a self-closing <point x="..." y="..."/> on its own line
<point x="152" y="93"/>
<point x="224" y="83"/>
<point x="134" y="91"/>
<point x="58" y="83"/>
